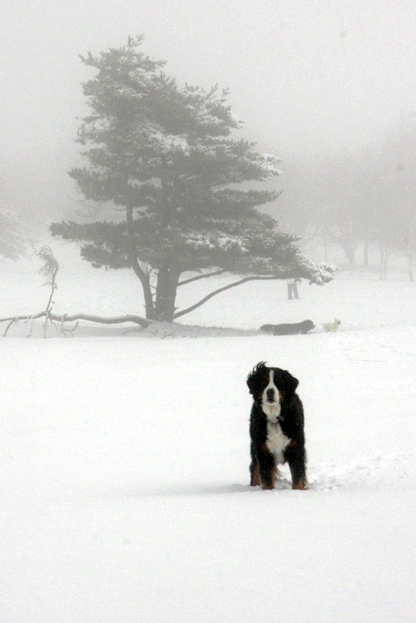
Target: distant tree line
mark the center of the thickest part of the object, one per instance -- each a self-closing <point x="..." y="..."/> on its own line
<point x="14" y="237"/>
<point x="363" y="202"/>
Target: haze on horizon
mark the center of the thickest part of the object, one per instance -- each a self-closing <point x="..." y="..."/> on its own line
<point x="308" y="77"/>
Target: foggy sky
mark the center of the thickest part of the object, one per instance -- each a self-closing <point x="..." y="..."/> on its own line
<point x="306" y="76"/>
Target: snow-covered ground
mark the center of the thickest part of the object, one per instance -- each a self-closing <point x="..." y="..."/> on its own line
<point x="124" y="462"/>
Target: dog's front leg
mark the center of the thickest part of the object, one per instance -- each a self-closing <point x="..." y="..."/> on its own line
<point x="298" y="472"/>
<point x="254" y="474"/>
<point x="267" y="467"/>
<point x="254" y="467"/>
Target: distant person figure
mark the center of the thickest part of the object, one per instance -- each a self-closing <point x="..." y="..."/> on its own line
<point x="292" y="290"/>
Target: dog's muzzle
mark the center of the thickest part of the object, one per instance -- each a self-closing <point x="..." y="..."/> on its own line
<point x="270" y="395"/>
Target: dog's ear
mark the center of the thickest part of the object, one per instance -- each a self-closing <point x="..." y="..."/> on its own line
<point x="253" y="376"/>
<point x="290" y="383"/>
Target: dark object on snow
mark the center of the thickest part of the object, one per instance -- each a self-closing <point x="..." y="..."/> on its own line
<point x="292" y="290"/>
<point x="276" y="427"/>
<point x="288" y="329"/>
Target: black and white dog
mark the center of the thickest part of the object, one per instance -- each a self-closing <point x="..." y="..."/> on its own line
<point x="292" y="328"/>
<point x="276" y="427"/>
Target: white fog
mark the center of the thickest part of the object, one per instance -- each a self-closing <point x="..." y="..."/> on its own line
<point x="141" y="281"/>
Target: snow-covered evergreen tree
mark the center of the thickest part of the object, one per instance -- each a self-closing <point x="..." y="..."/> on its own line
<point x="167" y="155"/>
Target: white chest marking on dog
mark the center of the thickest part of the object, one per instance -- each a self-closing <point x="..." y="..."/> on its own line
<point x="276" y="440"/>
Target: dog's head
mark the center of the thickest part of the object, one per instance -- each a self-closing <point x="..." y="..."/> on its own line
<point x="306" y="326"/>
<point x="270" y="387"/>
<point x="332" y="326"/>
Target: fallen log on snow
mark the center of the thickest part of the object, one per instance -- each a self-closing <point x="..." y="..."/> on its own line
<point x="63" y="318"/>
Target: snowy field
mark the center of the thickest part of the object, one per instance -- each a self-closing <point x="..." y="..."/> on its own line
<point x="124" y="461"/>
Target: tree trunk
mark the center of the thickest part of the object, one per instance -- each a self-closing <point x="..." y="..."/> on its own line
<point x="167" y="284"/>
<point x="410" y="267"/>
<point x="366" y="255"/>
<point x="325" y="248"/>
<point x="144" y="277"/>
<point x="163" y="308"/>
<point x="384" y="257"/>
<point x="350" y="254"/>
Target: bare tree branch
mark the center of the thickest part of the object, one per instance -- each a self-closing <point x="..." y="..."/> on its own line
<point x="102" y="319"/>
<point x="215" y="292"/>
<point x="75" y="317"/>
<point x="204" y="276"/>
<point x="49" y="269"/>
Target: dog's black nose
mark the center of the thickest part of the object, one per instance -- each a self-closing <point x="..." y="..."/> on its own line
<point x="270" y="395"/>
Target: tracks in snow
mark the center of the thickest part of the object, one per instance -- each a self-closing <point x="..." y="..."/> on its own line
<point x="372" y="472"/>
